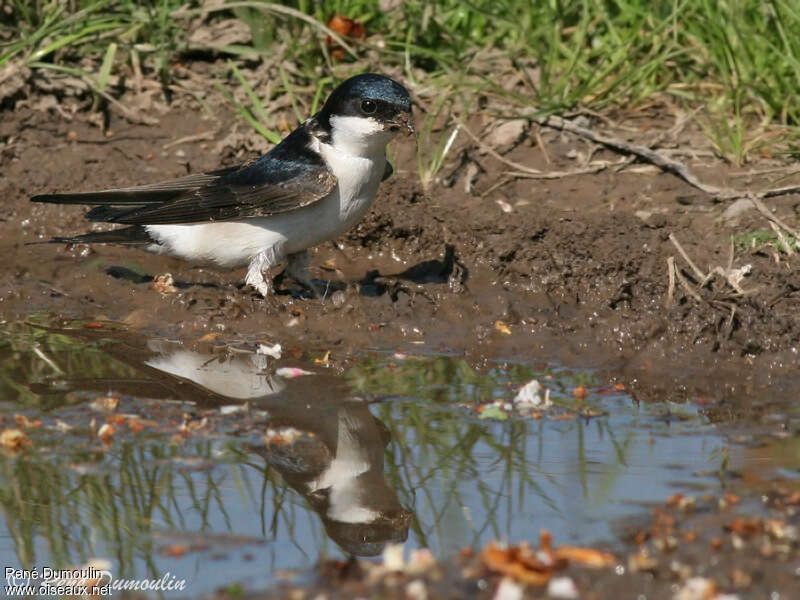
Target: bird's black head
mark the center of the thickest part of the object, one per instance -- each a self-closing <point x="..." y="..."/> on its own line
<point x="374" y="97"/>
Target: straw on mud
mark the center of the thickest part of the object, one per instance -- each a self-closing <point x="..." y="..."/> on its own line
<point x="529" y="172"/>
<point x="782" y="239"/>
<point x="661" y="161"/>
<point x="197" y="137"/>
<point x="762" y="208"/>
<point x="727" y="276"/>
<point x="697" y="272"/>
<point x="558" y="174"/>
<point x="648" y="154"/>
<point x="541" y="143"/>
<point x="686" y="285"/>
<point x="492" y="152"/>
<point x="730" y="254"/>
<point x="729" y="324"/>
<point x="671" y="277"/>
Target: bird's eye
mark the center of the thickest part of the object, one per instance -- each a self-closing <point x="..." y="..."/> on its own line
<point x="368" y="106"/>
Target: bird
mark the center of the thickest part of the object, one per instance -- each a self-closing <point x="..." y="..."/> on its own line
<point x="313" y="186"/>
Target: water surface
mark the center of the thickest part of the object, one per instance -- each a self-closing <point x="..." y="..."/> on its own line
<point x="392" y="449"/>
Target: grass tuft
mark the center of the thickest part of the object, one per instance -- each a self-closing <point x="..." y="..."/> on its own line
<point x="740" y="60"/>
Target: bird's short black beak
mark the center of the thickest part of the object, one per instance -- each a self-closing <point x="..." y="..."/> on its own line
<point x="402" y="122"/>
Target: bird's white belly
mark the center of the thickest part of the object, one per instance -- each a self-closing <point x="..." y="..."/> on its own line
<point x="235" y="243"/>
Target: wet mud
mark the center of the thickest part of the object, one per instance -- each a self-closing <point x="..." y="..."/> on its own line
<point x="571" y="271"/>
<point x="576" y="267"/>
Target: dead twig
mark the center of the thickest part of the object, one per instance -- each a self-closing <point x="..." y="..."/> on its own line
<point x="557" y="174"/>
<point x="492" y="152"/>
<point x="660" y="160"/>
<point x="671" y="279"/>
<point x="781" y="191"/>
<point x="772" y="218"/>
<point x="732" y="276"/>
<point x="782" y="239"/>
<point x="697" y="272"/>
<point x="651" y="156"/>
<point x="206" y="135"/>
<point x="686" y="285"/>
<point x="540" y="142"/>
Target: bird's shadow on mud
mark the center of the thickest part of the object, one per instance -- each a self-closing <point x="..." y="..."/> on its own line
<point x="439" y="271"/>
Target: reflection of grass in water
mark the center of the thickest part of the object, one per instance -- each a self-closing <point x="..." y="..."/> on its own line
<point x="440" y="379"/>
<point x="432" y="446"/>
<point x="279" y="505"/>
<point x="30" y="355"/>
<point x="135" y="492"/>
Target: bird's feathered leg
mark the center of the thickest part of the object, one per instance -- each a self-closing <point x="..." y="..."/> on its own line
<point x="259" y="266"/>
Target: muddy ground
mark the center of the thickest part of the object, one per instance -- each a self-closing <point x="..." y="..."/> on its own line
<point x="575" y="266"/>
<point x="571" y="269"/>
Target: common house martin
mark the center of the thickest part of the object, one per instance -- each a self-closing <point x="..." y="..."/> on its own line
<point x="312" y="187"/>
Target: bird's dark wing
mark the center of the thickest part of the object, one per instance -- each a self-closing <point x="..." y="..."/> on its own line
<point x="288" y="177"/>
<point x="153" y="193"/>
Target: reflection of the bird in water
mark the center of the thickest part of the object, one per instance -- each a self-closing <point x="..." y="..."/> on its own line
<point x="334" y="456"/>
<point x="336" y="463"/>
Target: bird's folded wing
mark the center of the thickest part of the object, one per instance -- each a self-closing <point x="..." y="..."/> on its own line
<point x="153" y="193"/>
<point x="228" y="199"/>
<point x="227" y="194"/>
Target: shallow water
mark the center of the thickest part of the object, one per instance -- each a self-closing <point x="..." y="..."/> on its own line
<point x="387" y="448"/>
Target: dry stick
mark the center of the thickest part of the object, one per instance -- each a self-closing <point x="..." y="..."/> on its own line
<point x="491" y="151"/>
<point x="671" y="277"/>
<point x="782" y="239"/>
<point x="762" y="208"/>
<point x="672" y="132"/>
<point x="767" y="171"/>
<point x="644" y="152"/>
<point x="729" y="326"/>
<point x="697" y="272"/>
<point x="503" y="181"/>
<point x="663" y="162"/>
<point x="687" y="286"/>
<point x="206" y="135"/>
<point x="540" y="142"/>
<point x="557" y="174"/>
<point x="789" y="189"/>
<point x="529" y="172"/>
<point x="730" y="255"/>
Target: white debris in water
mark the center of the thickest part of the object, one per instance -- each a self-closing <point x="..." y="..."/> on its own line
<point x="529" y="394"/>
<point x="416" y="590"/>
<point x="562" y="587"/>
<point x="508" y="590"/>
<point x="700" y="588"/>
<point x="274" y="351"/>
<point x="282" y="435"/>
<point x="393" y="559"/>
<point x="230" y="409"/>
<point x="291" y="372"/>
<point x="420" y="561"/>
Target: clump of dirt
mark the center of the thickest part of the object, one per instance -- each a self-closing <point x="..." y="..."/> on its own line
<point x="578" y="268"/>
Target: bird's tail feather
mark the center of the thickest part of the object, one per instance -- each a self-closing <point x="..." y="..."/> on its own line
<point x="111" y="197"/>
<point x="127" y="235"/>
<point x="152" y="193"/>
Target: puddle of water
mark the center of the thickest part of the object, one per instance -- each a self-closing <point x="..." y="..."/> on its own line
<point x="388" y="452"/>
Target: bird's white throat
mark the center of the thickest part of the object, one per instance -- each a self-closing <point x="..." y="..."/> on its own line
<point x="359" y="136"/>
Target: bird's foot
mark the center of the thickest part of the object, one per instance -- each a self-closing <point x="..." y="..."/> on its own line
<point x="297" y="269"/>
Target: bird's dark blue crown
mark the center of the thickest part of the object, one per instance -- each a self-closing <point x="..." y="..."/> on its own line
<point x="371" y="86"/>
